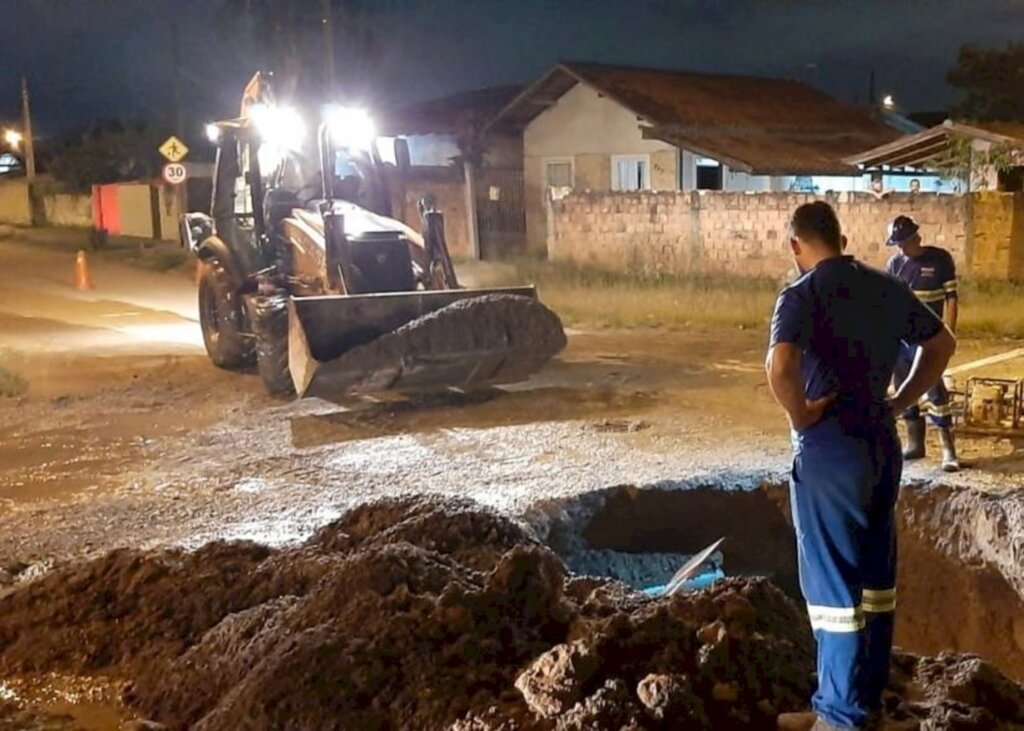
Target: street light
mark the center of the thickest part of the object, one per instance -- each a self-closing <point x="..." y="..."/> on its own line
<point x="13" y="137"/>
<point x="888" y="102"/>
<point x="351" y="127"/>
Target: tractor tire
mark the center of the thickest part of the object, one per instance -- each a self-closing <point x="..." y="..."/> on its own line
<point x="271" y="325"/>
<point x="222" y="318"/>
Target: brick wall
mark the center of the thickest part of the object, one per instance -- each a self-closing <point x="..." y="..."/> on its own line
<point x="997" y="250"/>
<point x="739" y="233"/>
<point x="448" y="188"/>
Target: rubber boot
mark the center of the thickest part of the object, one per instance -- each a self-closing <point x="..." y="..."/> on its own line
<point x="915" y="439"/>
<point x="798" y="721"/>
<point x="949" y="461"/>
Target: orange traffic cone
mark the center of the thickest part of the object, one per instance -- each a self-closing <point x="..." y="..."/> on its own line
<point x="83" y="281"/>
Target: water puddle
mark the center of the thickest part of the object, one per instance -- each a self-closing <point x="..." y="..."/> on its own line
<point x="59" y="463"/>
<point x="61" y="703"/>
<point x="454" y="410"/>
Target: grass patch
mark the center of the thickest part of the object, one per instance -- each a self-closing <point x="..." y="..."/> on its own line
<point x="157" y="256"/>
<point x="991" y="309"/>
<point x="597" y="299"/>
<point x="11" y="384"/>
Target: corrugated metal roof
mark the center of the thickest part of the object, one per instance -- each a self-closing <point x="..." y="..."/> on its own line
<point x="773" y="153"/>
<point x="1010" y="130"/>
<point x="930" y="149"/>
<point x="758" y="125"/>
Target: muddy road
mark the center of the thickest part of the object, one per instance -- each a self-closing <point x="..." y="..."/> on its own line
<point x="126" y="436"/>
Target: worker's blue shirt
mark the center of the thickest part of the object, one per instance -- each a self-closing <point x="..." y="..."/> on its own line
<point x="931" y="275"/>
<point x="849" y="321"/>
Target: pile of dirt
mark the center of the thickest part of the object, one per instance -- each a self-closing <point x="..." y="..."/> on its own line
<point x="126" y="609"/>
<point x="960" y="550"/>
<point x="953" y="692"/>
<point x="436" y="614"/>
<point x="519" y="332"/>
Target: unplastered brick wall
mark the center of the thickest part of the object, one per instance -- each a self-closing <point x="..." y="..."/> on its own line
<point x="739" y="233"/>
<point x="997" y="250"/>
<point x="447" y="186"/>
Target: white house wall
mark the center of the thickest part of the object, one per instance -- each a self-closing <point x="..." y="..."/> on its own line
<point x="585" y="129"/>
<point x="584" y="122"/>
<point x="738" y="182"/>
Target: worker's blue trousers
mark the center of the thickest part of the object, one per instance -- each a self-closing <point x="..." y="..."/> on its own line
<point x="843" y="492"/>
<point x="938" y="405"/>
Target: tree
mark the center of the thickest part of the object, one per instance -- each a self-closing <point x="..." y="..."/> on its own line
<point x="108" y="153"/>
<point x="993" y="81"/>
<point x="966" y="162"/>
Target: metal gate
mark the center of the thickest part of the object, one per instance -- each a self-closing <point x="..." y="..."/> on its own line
<point x="501" y="212"/>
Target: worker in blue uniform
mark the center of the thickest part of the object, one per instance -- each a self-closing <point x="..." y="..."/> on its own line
<point x="930" y="272"/>
<point x="835" y="337"/>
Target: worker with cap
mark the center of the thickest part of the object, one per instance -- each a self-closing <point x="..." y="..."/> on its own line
<point x="835" y="336"/>
<point x="930" y="272"/>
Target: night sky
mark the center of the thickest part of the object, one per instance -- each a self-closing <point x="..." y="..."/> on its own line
<point x="93" y="59"/>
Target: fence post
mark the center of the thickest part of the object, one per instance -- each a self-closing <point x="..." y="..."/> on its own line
<point x="471" y="222"/>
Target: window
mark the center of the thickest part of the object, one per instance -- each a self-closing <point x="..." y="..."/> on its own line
<point x="803" y="184"/>
<point x="9" y="163"/>
<point x="708" y="174"/>
<point x="631" y="172"/>
<point x="243" y="183"/>
<point x="558" y="174"/>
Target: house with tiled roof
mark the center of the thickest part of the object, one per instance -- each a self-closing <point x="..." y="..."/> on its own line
<point x="594" y="127"/>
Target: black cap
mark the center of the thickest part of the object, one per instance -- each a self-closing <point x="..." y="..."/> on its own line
<point x="900" y="230"/>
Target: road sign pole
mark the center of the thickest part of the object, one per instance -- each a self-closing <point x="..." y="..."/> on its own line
<point x="174" y="172"/>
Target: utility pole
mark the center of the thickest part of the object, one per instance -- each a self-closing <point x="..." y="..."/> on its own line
<point x="179" y="122"/>
<point x="179" y="195"/>
<point x="26" y="121"/>
<point x="328" y="49"/>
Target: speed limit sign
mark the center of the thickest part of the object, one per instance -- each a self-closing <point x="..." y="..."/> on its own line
<point x="175" y="173"/>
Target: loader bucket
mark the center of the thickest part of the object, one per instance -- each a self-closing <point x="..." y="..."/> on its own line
<point x="407" y="341"/>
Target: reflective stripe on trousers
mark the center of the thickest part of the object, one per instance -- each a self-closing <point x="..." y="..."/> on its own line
<point x="843" y="494"/>
<point x="878" y="601"/>
<point x="937" y="402"/>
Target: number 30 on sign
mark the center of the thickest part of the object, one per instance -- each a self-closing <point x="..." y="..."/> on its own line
<point x="175" y="173"/>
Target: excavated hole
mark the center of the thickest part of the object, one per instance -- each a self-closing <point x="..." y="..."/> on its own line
<point x="949" y="598"/>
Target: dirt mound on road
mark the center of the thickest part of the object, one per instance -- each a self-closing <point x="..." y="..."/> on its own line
<point x="518" y="334"/>
<point x="393" y="618"/>
<point x="452" y="526"/>
<point x="126" y="609"/>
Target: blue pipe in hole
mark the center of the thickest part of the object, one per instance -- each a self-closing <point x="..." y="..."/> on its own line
<point x="701" y="581"/>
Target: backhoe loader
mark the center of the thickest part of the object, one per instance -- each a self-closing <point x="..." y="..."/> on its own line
<point x="305" y="272"/>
